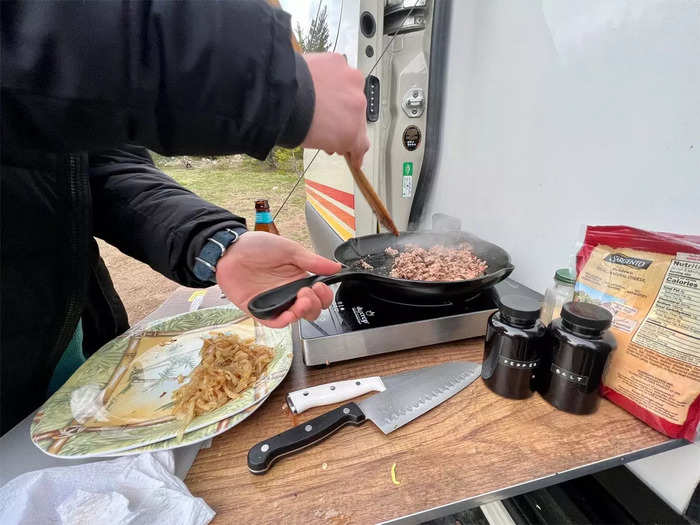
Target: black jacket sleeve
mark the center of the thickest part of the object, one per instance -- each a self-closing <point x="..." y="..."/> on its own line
<point x="149" y="216"/>
<point x="179" y="77"/>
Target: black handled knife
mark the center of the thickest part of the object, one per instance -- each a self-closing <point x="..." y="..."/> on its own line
<point x="397" y="405"/>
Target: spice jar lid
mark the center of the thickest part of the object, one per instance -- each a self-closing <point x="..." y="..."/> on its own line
<point x="520" y="307"/>
<point x="586" y="315"/>
<point x="565" y="275"/>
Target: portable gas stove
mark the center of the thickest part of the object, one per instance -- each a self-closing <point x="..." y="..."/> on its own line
<point x="358" y="324"/>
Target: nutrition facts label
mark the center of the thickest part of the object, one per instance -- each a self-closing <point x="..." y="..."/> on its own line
<point x="672" y="327"/>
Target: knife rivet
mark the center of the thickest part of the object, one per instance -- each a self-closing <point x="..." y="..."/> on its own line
<point x="306" y="393"/>
<point x="332" y="387"/>
<point x="346" y="411"/>
<point x="357" y="382"/>
<point x="308" y="428"/>
<point x="265" y="447"/>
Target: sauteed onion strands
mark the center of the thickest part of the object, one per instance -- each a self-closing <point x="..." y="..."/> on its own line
<point x="230" y="365"/>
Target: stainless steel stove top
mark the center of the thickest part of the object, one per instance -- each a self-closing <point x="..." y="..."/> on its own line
<point x="359" y="325"/>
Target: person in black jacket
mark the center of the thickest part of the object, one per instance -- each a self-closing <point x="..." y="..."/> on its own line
<point x="82" y="83"/>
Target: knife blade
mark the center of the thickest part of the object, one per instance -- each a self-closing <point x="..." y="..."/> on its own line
<point x="337" y="391"/>
<point x="403" y="402"/>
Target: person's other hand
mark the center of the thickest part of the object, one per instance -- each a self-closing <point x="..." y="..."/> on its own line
<point x="259" y="261"/>
<point x="339" y="123"/>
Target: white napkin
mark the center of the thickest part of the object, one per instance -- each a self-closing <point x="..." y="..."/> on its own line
<point x="131" y="490"/>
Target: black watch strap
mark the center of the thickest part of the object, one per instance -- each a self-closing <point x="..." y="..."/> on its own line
<point x="205" y="263"/>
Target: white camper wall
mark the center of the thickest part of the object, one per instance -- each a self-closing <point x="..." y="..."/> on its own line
<point x="564" y="113"/>
<point x="559" y="114"/>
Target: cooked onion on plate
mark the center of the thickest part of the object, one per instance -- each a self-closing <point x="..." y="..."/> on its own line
<point x="229" y="366"/>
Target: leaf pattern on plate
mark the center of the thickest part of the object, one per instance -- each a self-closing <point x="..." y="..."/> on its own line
<point x="55" y="431"/>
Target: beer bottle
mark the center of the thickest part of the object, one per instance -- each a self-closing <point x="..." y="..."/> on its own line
<point x="263" y="217"/>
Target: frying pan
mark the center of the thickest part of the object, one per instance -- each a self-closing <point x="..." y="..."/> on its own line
<point x="371" y="249"/>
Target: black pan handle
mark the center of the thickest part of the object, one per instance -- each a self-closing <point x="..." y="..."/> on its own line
<point x="271" y="303"/>
<point x="262" y="455"/>
<point x="503" y="273"/>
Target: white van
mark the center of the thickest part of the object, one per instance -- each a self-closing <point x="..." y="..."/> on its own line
<point x="525" y="121"/>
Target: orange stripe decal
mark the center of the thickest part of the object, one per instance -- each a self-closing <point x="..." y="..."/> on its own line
<point x="335" y="224"/>
<point x="341" y="196"/>
<point x="341" y="214"/>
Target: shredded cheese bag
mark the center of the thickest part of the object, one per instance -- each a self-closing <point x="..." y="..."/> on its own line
<point x="650" y="282"/>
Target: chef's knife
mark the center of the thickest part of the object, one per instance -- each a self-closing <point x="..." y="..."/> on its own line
<point x="397" y="405"/>
<point x="331" y="393"/>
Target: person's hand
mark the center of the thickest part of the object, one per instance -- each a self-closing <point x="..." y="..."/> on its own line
<point x="339" y="123"/>
<point x="259" y="261"/>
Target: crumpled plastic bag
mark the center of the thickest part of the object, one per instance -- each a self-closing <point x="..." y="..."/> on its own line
<point x="130" y="490"/>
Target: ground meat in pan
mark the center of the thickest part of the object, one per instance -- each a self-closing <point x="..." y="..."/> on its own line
<point x="365" y="265"/>
<point x="438" y="263"/>
<point x="391" y="252"/>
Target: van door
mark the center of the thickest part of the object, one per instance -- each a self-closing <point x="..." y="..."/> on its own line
<point x="392" y="49"/>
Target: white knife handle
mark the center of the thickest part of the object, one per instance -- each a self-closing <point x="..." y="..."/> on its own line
<point x="331" y="393"/>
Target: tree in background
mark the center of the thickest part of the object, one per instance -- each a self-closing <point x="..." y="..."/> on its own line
<point x="317" y="39"/>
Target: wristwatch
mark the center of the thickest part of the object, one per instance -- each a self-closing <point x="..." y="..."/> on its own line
<point x="205" y="264"/>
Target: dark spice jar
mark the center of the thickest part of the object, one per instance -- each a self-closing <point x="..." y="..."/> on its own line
<point x="578" y="346"/>
<point x="513" y="347"/>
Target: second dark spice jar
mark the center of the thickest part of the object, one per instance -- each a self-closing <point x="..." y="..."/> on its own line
<point x="513" y="347"/>
<point x="577" y="350"/>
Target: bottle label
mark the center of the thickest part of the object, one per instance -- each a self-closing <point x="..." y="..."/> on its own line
<point x="514" y="363"/>
<point x="570" y="376"/>
<point x="263" y="217"/>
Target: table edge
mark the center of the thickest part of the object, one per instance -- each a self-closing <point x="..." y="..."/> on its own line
<point x="440" y="511"/>
<point x="534" y="484"/>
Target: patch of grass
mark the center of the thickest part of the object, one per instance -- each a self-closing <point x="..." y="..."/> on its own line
<point x="235" y="184"/>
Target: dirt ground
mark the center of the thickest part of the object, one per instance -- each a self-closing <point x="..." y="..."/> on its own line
<point x="141" y="288"/>
<point x="231" y="183"/>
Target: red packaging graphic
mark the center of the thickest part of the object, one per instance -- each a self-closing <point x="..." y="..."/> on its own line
<point x="650" y="282"/>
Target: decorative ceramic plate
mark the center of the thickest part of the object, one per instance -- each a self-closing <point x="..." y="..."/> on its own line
<point x="196" y="436"/>
<point x="121" y="398"/>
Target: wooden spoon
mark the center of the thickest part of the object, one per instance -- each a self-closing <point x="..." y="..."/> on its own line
<point x="373" y="199"/>
<point x="378" y="207"/>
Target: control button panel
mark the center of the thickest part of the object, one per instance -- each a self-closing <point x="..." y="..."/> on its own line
<point x="372" y="94"/>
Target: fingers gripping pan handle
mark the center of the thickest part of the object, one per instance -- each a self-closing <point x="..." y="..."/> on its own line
<point x="272" y="303"/>
<point x="264" y="454"/>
